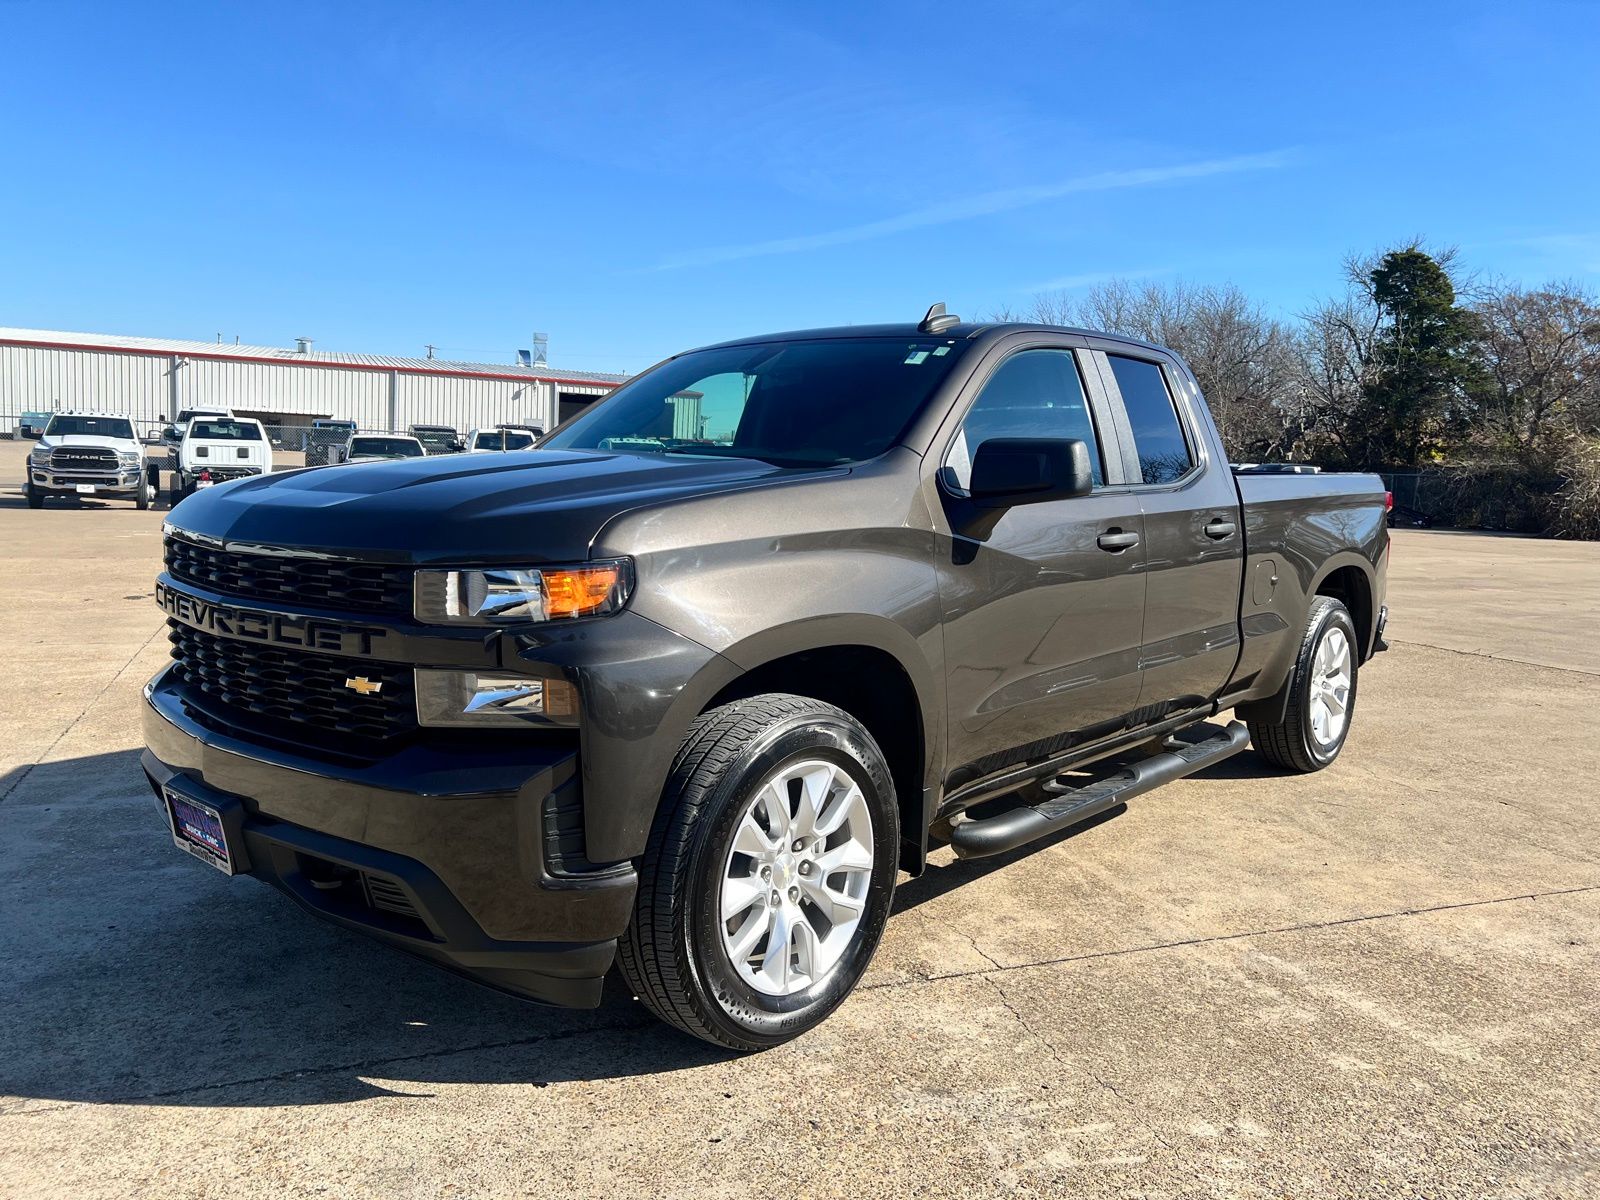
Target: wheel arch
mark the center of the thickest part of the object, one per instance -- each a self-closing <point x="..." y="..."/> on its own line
<point x="870" y="667"/>
<point x="1346" y="576"/>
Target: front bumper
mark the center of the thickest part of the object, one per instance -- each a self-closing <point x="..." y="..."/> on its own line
<point x="123" y="480"/>
<point x="459" y="867"/>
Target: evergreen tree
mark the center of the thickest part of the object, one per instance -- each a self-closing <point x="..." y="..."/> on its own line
<point x="1423" y="363"/>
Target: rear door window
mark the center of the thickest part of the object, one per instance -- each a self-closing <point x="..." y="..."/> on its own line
<point x="1032" y="394"/>
<point x="1164" y="454"/>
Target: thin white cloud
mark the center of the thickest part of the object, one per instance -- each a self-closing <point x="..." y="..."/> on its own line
<point x="983" y="205"/>
<point x="1070" y="283"/>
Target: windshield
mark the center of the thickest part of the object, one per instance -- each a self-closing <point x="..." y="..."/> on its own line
<point x="395" y="447"/>
<point x="224" y="431"/>
<point x="804" y="404"/>
<point x="507" y="440"/>
<point x="106" y="427"/>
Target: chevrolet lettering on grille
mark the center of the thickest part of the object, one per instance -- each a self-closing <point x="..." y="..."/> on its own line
<point x="274" y="629"/>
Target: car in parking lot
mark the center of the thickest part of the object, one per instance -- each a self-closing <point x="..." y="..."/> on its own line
<point x="438" y="439"/>
<point x="372" y="447"/>
<point x="217" y="450"/>
<point x="504" y="437"/>
<point x="88" y="454"/>
<point x="688" y="704"/>
<point x="172" y="434"/>
<point x="324" y="440"/>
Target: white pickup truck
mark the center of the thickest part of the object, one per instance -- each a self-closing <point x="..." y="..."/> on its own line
<point x="217" y="449"/>
<point x="88" y="454"/>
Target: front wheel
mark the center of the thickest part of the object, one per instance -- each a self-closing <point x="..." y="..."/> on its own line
<point x="35" y="500"/>
<point x="1322" y="693"/>
<point x="768" y="876"/>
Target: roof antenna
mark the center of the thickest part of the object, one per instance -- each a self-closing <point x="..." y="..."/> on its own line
<point x="937" y="320"/>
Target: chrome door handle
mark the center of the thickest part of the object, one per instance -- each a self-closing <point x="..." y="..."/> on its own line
<point x="1220" y="529"/>
<point x="1117" y="539"/>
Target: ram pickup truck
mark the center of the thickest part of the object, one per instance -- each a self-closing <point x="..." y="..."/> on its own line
<point x="691" y="706"/>
<point x="88" y="454"/>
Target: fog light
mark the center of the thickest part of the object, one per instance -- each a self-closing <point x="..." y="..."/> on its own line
<point x="468" y="698"/>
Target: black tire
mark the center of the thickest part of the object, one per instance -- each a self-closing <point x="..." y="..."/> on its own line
<point x="35" y="500"/>
<point x="672" y="954"/>
<point x="144" y="497"/>
<point x="1291" y="743"/>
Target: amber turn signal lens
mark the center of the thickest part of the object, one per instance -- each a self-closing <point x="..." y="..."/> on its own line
<point x="578" y="591"/>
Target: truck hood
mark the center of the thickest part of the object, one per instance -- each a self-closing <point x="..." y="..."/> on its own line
<point x="520" y="506"/>
<point x="88" y="439"/>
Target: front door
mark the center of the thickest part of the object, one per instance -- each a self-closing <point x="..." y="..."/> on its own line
<point x="1043" y="610"/>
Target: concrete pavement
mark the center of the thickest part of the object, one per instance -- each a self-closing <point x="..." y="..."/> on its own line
<point x="1383" y="979"/>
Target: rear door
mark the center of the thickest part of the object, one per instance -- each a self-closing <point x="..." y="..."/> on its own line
<point x="1194" y="543"/>
<point x="1042" y="611"/>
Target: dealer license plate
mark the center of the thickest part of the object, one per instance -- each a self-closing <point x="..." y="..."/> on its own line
<point x="86" y="489"/>
<point x="197" y="828"/>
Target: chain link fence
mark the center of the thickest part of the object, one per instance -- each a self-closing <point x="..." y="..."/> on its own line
<point x="1509" y="499"/>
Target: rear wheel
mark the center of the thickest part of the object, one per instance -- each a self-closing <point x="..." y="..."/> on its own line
<point x="1322" y="693"/>
<point x="767" y="879"/>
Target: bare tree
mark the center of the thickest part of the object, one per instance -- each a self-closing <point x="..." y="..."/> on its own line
<point x="1245" y="361"/>
<point x="1540" y="351"/>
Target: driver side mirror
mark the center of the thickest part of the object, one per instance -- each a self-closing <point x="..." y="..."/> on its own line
<point x="1011" y="471"/>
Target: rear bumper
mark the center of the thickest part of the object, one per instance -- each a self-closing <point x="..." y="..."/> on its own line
<point x="446" y="864"/>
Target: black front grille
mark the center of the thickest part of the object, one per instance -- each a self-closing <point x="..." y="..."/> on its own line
<point x="315" y="582"/>
<point x="83" y="458"/>
<point x="295" y="696"/>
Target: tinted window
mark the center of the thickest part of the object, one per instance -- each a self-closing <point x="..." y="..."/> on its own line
<point x="107" y="427"/>
<point x="814" y="403"/>
<point x="224" y="431"/>
<point x="503" y="440"/>
<point x="1034" y="394"/>
<point x="395" y="447"/>
<point x="1163" y="454"/>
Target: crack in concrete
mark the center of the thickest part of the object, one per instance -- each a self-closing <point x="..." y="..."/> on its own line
<point x="1303" y="927"/>
<point x="373" y="1064"/>
<point x="1521" y="662"/>
<point x="1070" y="1065"/>
<point x="982" y="953"/>
<point x="83" y="712"/>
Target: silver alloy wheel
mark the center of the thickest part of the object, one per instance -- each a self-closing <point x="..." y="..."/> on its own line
<point x="794" y="885"/>
<point x="1331" y="677"/>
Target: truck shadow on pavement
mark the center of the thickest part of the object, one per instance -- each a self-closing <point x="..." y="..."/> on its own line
<point x="133" y="974"/>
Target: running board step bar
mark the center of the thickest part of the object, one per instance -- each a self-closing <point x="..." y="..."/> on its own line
<point x="1069" y="805"/>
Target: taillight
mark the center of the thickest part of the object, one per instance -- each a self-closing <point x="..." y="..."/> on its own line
<point x="1388" y="502"/>
<point x="206" y="476"/>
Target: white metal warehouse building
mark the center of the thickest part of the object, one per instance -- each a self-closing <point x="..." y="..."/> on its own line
<point x="151" y="379"/>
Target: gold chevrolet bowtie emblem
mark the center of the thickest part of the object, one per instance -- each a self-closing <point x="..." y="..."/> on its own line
<point x="364" y="685"/>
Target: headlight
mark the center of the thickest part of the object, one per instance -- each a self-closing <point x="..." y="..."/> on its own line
<point x="516" y="596"/>
<point x="39" y="456"/>
<point x="457" y="698"/>
<point x="129" y="458"/>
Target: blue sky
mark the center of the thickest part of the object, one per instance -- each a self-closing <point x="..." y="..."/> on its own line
<point x="635" y="179"/>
